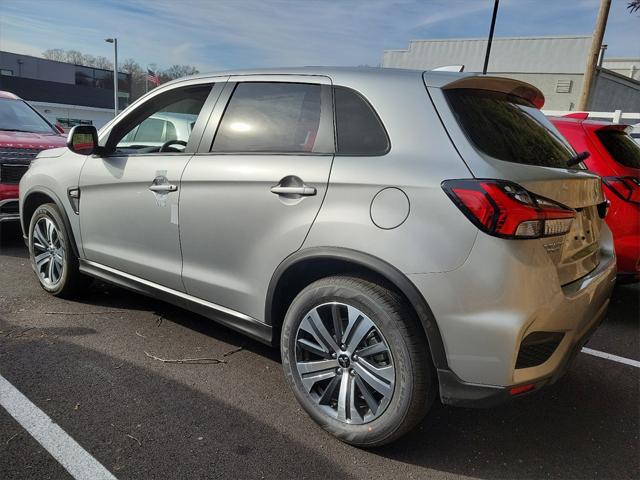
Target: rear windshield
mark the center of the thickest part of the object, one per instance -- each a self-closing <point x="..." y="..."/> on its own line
<point x="508" y="128"/>
<point x="621" y="147"/>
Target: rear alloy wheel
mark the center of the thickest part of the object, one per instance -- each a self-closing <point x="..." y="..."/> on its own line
<point x="347" y="366"/>
<point x="51" y="253"/>
<point x="357" y="360"/>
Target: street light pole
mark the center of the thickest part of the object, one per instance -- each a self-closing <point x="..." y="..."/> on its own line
<point x="115" y="73"/>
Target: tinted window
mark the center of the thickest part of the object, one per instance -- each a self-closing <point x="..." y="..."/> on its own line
<point x="358" y="129"/>
<point x="274" y="117"/>
<point x="18" y="116"/>
<point x="508" y="128"/>
<point x="145" y="132"/>
<point x="621" y="147"/>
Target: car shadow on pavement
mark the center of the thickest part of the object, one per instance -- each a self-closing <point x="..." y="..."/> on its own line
<point x="140" y="424"/>
<point x="11" y="242"/>
<point x="561" y="432"/>
<point x="625" y="304"/>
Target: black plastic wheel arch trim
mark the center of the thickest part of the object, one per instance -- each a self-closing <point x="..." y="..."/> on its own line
<point x="379" y="266"/>
<point x="63" y="214"/>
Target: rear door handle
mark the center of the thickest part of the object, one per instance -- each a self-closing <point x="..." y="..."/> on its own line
<point x="302" y="191"/>
<point x="163" y="188"/>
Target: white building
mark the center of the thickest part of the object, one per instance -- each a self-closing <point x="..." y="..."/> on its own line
<point x="553" y="64"/>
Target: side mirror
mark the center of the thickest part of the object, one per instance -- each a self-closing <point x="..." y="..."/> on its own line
<point x="59" y="128"/>
<point x="83" y="139"/>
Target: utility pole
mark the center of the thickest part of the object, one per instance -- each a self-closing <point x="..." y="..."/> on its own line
<point x="493" y="26"/>
<point x="592" y="59"/>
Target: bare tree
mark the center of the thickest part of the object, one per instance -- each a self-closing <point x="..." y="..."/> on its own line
<point x="102" y="62"/>
<point x="138" y="77"/>
<point x="633" y="6"/>
<point x="57" y="54"/>
<point x="177" y="71"/>
<point x="74" y="56"/>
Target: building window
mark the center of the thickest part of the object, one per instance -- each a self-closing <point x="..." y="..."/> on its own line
<point x="8" y="73"/>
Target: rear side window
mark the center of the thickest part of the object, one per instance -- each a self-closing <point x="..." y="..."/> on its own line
<point x="275" y="117"/>
<point x="621" y="147"/>
<point x="358" y="128"/>
<point x="508" y="128"/>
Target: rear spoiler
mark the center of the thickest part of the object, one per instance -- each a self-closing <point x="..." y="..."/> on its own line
<point x="602" y="124"/>
<point x="510" y="86"/>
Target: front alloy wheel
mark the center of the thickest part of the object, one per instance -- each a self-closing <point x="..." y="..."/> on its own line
<point x="52" y="255"/>
<point x="48" y="251"/>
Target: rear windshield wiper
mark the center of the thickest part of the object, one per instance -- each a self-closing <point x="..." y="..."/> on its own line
<point x="577" y="158"/>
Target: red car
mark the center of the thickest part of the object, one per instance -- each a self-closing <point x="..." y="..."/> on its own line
<point x="23" y="134"/>
<point x="615" y="156"/>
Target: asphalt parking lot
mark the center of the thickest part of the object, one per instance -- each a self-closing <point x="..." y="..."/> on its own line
<point x="93" y="366"/>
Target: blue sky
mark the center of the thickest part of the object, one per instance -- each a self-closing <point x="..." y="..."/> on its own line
<point x="223" y="34"/>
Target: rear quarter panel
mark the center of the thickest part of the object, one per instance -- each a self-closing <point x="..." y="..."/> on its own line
<point x="435" y="236"/>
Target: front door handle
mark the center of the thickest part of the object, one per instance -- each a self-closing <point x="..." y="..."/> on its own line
<point x="303" y="191"/>
<point x="163" y="188"/>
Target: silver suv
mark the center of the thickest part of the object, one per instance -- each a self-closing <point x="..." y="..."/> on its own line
<point x="401" y="235"/>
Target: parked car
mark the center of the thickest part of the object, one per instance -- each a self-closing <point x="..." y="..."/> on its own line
<point x="23" y="134"/>
<point x="615" y="156"/>
<point x="158" y="128"/>
<point x="401" y="235"/>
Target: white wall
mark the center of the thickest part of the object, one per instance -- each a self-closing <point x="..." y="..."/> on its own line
<point x="54" y="111"/>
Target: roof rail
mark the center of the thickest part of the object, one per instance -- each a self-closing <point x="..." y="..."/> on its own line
<point x="449" y="68"/>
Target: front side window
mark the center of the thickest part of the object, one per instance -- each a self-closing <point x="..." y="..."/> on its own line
<point x="275" y="117"/>
<point x="162" y="124"/>
<point x="622" y="148"/>
<point x="508" y="128"/>
<point x="358" y="128"/>
<point x="17" y="116"/>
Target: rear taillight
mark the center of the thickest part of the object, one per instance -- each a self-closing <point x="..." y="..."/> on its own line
<point x="627" y="188"/>
<point x="505" y="209"/>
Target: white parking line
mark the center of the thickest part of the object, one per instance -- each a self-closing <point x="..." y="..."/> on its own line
<point x="77" y="461"/>
<point x="609" y="356"/>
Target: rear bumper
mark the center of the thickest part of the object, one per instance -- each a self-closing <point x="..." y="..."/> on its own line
<point x="455" y="392"/>
<point x="505" y="291"/>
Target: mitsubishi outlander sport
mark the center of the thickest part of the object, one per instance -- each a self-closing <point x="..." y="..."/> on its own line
<point x="401" y="235"/>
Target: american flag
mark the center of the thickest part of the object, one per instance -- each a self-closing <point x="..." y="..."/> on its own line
<point x="152" y="77"/>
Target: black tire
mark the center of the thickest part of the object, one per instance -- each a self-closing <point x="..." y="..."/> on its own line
<point x="415" y="386"/>
<point x="71" y="282"/>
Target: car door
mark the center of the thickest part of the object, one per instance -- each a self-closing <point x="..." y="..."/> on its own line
<point x="251" y="193"/>
<point x="129" y="196"/>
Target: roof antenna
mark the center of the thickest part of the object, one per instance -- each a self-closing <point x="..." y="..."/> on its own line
<point x="493" y="25"/>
